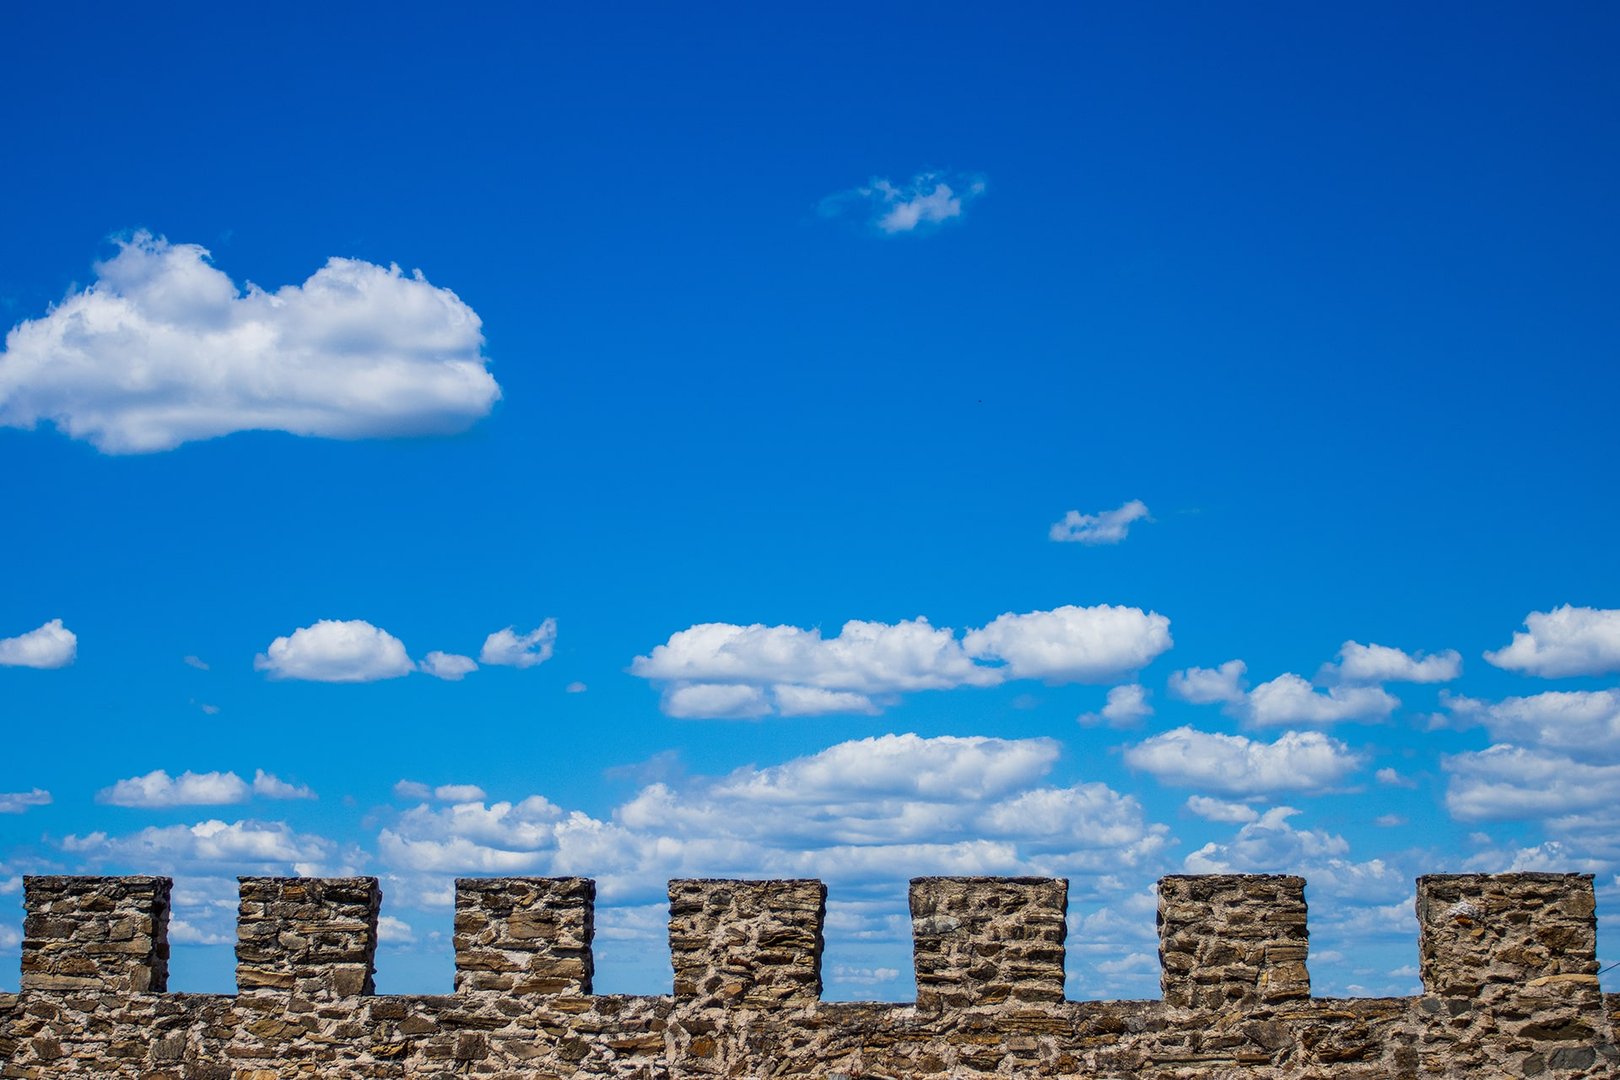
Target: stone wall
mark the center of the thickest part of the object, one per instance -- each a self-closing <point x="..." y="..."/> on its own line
<point x="1510" y="988"/>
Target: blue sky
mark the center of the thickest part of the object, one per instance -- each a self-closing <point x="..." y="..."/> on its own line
<point x="830" y="442"/>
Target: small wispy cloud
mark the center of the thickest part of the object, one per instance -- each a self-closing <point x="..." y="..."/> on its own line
<point x="1104" y="527"/>
<point x="18" y="802"/>
<point x="928" y="199"/>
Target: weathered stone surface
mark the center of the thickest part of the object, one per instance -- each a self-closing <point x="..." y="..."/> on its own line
<point x="312" y="937"/>
<point x="1481" y="933"/>
<point x="746" y="954"/>
<point x="746" y="943"/>
<point x="984" y="941"/>
<point x="1232" y="940"/>
<point x="99" y="934"/>
<point x="524" y="935"/>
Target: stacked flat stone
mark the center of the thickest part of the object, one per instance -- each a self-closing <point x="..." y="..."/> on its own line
<point x="110" y="935"/>
<point x="1483" y="932"/>
<point x="524" y="935"/>
<point x="1232" y="940"/>
<point x="315" y="937"/>
<point x="987" y="941"/>
<point x="755" y="944"/>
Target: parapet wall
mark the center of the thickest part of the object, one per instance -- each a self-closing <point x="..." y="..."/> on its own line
<point x="1508" y="965"/>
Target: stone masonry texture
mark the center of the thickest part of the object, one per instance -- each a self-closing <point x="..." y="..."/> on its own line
<point x="524" y="935"/>
<point x="984" y="942"/>
<point x="316" y="937"/>
<point x="1232" y="941"/>
<point x="99" y="934"/>
<point x="1509" y="971"/>
<point x="751" y="943"/>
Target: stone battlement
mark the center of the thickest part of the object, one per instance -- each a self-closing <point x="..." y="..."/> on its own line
<point x="1508" y="964"/>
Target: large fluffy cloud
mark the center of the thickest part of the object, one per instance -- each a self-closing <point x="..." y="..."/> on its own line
<point x="725" y="670"/>
<point x="1073" y="644"/>
<point x="1269" y="844"/>
<point x="1581" y="722"/>
<point x="1104" y="527"/>
<point x="1288" y="700"/>
<point x="334" y="650"/>
<point x="1564" y="641"/>
<point x="1507" y="782"/>
<point x="1235" y="765"/>
<point x="50" y="646"/>
<point x="852" y="814"/>
<point x="163" y="349"/>
<point x="264" y="847"/>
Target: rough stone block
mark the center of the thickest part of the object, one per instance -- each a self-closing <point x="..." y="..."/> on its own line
<point x="753" y="944"/>
<point x="988" y="941"/>
<point x="525" y="935"/>
<point x="1232" y="941"/>
<point x="108" y="934"/>
<point x="1481" y="933"/>
<point x="314" y="937"/>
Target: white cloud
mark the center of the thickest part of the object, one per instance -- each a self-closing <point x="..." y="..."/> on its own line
<point x="1234" y="765"/>
<point x="19" y="802"/>
<point x="394" y="931"/>
<point x="185" y="932"/>
<point x="192" y="661"/>
<point x="1393" y="778"/>
<point x="1105" y="527"/>
<point x="1126" y="707"/>
<point x="927" y="200"/>
<point x="575" y="688"/>
<point x="248" y="846"/>
<point x="718" y="701"/>
<point x="453" y="793"/>
<point x="1234" y="813"/>
<point x="1289" y="699"/>
<point x="1564" y="641"/>
<point x="865" y="657"/>
<point x="725" y="670"/>
<point x="164" y="349"/>
<point x="1380" y="663"/>
<point x="1510" y="782"/>
<point x="510" y="649"/>
<point x="270" y="786"/>
<point x="1208" y="686"/>
<point x="1269" y="844"/>
<point x="853" y="814"/>
<point x="450" y="666"/>
<point x="971" y="767"/>
<point x="51" y="646"/>
<point x="332" y="650"/>
<point x="158" y="789"/>
<point x="1581" y="722"/>
<point x="1073" y="644"/>
<point x="813" y="701"/>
